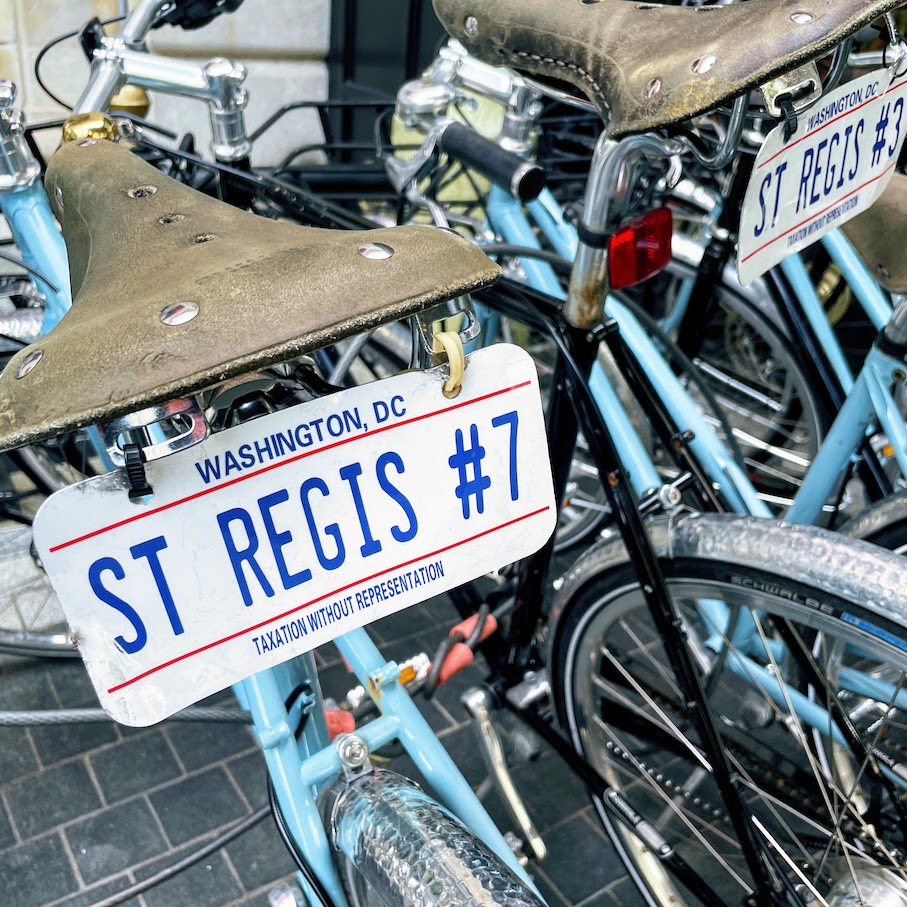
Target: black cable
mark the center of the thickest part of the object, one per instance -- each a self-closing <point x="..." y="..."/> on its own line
<point x="40" y="57"/>
<point x="308" y="873"/>
<point x="434" y="674"/>
<point x="216" y="844"/>
<point x="558" y="262"/>
<point x="296" y="202"/>
<point x="53" y="43"/>
<point x="14" y="259"/>
<point x="479" y="629"/>
<point x="431" y="682"/>
<point x="380" y="129"/>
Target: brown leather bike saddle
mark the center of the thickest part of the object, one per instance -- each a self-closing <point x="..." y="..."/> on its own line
<point x="145" y="251"/>
<point x="880" y="235"/>
<point x="645" y="65"/>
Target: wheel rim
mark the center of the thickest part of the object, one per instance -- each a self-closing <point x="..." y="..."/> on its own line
<point x="615" y="646"/>
<point x="31" y="618"/>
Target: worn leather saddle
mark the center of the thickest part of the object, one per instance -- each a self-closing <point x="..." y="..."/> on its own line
<point x="646" y="65"/>
<point x="141" y="246"/>
<point x="880" y="235"/>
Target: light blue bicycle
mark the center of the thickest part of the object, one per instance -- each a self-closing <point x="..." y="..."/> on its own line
<point x="601" y="612"/>
<point x="363" y="836"/>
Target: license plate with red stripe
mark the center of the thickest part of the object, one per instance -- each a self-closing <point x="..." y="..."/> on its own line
<point x="271" y="538"/>
<point x="833" y="167"/>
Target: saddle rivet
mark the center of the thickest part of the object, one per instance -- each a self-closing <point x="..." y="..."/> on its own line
<point x="801" y="18"/>
<point x="141" y="191"/>
<point x="172" y="218"/>
<point x="652" y="89"/>
<point x="471" y="26"/>
<point x="703" y="64"/>
<point x="82" y="143"/>
<point x="375" y="251"/>
<point x="28" y="363"/>
<point x="179" y="313"/>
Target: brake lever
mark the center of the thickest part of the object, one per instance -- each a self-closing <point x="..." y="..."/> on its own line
<point x="404" y="174"/>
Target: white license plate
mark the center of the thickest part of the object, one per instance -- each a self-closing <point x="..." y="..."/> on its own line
<point x="276" y="536"/>
<point x="836" y="164"/>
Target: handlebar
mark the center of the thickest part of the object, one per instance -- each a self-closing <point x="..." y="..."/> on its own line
<point x="521" y="178"/>
<point x="106" y="77"/>
<point x="218" y="82"/>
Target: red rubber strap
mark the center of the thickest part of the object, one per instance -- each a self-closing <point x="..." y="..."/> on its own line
<point x="467" y="626"/>
<point x="459" y="657"/>
<point x="339" y="722"/>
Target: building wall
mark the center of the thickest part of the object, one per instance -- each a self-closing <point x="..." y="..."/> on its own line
<point x="283" y="44"/>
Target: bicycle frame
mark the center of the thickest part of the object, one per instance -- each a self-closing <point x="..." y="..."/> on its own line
<point x="27" y="211"/>
<point x="40" y="242"/>
<point x="286" y="700"/>
<point x="868" y="402"/>
<point x="508" y="218"/>
<point x="285" y="703"/>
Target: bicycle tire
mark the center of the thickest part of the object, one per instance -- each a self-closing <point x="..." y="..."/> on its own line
<point x="842" y="595"/>
<point x="31" y="618"/>
<point x="395" y="845"/>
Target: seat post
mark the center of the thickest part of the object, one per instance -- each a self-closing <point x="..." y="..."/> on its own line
<point x="609" y="179"/>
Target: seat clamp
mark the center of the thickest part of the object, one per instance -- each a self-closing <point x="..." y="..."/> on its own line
<point x="592" y="238"/>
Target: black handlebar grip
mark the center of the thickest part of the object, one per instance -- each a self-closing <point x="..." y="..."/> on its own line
<point x="192" y="14"/>
<point x="521" y="178"/>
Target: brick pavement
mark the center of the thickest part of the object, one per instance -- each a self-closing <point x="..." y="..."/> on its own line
<point x="87" y="810"/>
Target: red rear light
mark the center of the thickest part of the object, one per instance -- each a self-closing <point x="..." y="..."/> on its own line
<point x="640" y="249"/>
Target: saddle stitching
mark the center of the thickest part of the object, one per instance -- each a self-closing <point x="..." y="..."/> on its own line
<point x="573" y="67"/>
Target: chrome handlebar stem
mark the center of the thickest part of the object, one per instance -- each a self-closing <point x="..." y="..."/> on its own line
<point x="106" y="79"/>
<point x="18" y="167"/>
<point x="454" y="70"/>
<point x="218" y="82"/>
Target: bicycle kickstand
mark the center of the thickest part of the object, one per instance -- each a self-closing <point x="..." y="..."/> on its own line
<point x="479" y="703"/>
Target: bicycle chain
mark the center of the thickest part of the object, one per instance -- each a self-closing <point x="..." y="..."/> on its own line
<point x="773" y="771"/>
<point x="667" y="785"/>
<point x="758" y="768"/>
